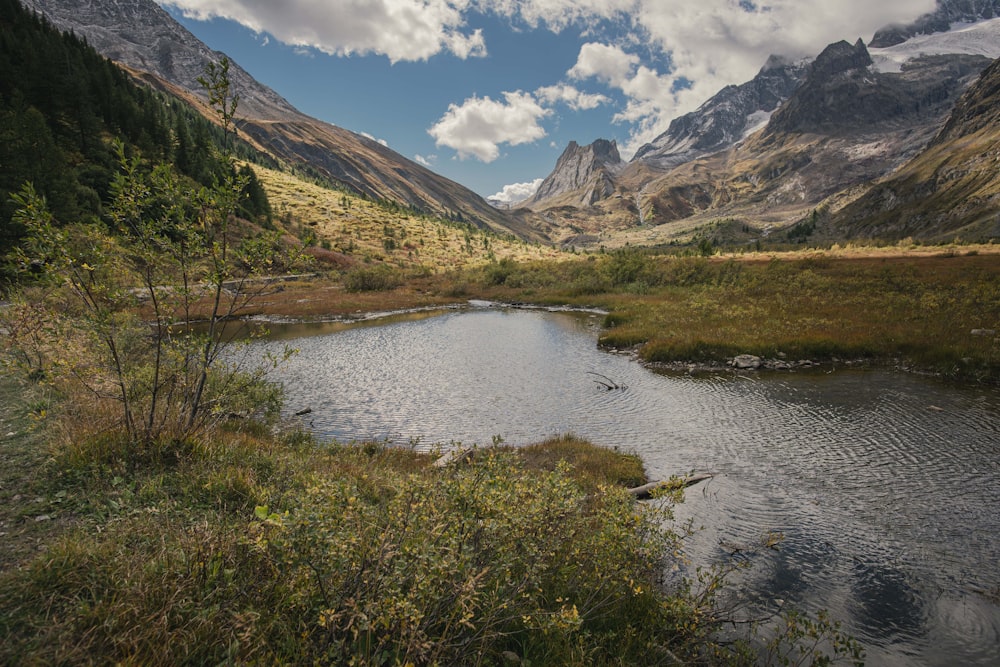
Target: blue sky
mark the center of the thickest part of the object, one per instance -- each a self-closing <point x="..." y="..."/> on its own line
<point x="490" y="92"/>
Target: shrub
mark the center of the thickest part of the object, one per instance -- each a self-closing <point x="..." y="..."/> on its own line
<point x="467" y="564"/>
<point x="372" y="279"/>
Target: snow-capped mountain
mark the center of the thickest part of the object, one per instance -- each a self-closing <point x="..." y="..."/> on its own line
<point x="943" y="19"/>
<point x="801" y="137"/>
<point x="728" y="117"/>
<point x="980" y="39"/>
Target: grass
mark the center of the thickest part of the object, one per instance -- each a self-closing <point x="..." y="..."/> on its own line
<point x="253" y="547"/>
<point x="246" y="545"/>
<point x="370" y="232"/>
<point x="919" y="311"/>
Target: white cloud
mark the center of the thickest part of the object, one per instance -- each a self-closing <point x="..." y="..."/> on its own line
<point x="664" y="57"/>
<point x="558" y="14"/>
<point x="426" y="161"/>
<point x="571" y="96"/>
<point x="378" y="141"/>
<point x="516" y="193"/>
<point x="709" y="44"/>
<point x="606" y="63"/>
<point x="398" y="29"/>
<point x="479" y="125"/>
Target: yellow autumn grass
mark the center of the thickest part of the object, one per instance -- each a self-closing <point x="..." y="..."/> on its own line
<point x="369" y="231"/>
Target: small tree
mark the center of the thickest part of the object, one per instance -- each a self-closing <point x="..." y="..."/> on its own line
<point x="135" y="293"/>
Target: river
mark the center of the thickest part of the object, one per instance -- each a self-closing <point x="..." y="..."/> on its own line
<point x="885" y="485"/>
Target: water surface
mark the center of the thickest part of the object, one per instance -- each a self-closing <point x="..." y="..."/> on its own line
<point x="885" y="485"/>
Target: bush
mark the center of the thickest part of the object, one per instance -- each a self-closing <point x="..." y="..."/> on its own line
<point x="474" y="561"/>
<point x="372" y="279"/>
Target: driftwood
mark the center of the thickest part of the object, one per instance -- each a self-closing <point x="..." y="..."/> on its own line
<point x="607" y="382"/>
<point x="456" y="455"/>
<point x="645" y="492"/>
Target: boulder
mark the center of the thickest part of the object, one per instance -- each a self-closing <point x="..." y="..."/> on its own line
<point x="747" y="362"/>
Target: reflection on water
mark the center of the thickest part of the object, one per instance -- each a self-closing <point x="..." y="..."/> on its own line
<point x="884" y="485"/>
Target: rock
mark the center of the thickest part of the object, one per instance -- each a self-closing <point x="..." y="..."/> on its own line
<point x="747" y="362"/>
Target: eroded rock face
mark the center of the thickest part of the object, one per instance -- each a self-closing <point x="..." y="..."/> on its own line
<point x="727" y="117"/>
<point x="844" y="93"/>
<point x="587" y="169"/>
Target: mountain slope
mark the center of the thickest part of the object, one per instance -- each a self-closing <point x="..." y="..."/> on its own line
<point x="143" y="37"/>
<point x="947" y="13"/>
<point x="950" y="189"/>
<point x="727" y="117"/>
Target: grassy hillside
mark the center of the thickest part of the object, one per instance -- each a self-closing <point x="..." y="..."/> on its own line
<point x="362" y="231"/>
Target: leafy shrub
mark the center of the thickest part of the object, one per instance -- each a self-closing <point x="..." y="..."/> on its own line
<point x="372" y="279"/>
<point x="446" y="570"/>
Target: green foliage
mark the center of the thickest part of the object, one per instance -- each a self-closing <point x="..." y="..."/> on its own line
<point x="439" y="569"/>
<point x="262" y="548"/>
<point x="62" y="104"/>
<point x="372" y="279"/>
<point x="130" y="295"/>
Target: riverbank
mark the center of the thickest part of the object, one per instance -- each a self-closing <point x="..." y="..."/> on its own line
<point x="931" y="313"/>
<point x="250" y="544"/>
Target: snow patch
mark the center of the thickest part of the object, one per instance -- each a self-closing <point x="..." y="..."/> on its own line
<point x="756" y="121"/>
<point x="982" y="39"/>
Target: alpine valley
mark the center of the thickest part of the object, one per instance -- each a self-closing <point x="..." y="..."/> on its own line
<point x="882" y="140"/>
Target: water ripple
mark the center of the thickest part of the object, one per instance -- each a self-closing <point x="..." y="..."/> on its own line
<point x="885" y="486"/>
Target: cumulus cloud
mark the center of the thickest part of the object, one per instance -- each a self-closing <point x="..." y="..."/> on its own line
<point x="426" y="161"/>
<point x="480" y="125"/>
<point x="378" y="141"/>
<point x="662" y="57"/>
<point x="571" y="96"/>
<point x="398" y="29"/>
<point x="559" y="14"/>
<point x="605" y="62"/>
<point x="515" y="193"/>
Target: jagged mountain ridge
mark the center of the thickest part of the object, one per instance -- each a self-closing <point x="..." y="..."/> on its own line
<point x="145" y="39"/>
<point x="727" y="117"/>
<point x="948" y="12"/>
<point x="850" y="123"/>
<point x="949" y="189"/>
<point x="585" y="171"/>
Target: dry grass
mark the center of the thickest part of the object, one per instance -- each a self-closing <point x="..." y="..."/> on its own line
<point x="368" y="231"/>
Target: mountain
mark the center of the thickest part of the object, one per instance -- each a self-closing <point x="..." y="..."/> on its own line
<point x="727" y="117"/>
<point x="950" y="189"/>
<point x="848" y="119"/>
<point x="947" y="13"/>
<point x="844" y="94"/>
<point x="145" y="39"/>
<point x="584" y="173"/>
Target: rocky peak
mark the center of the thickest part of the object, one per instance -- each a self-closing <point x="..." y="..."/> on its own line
<point x="584" y="169"/>
<point x="726" y="118"/>
<point x="838" y="58"/>
<point x="940" y="20"/>
<point x="978" y="108"/>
